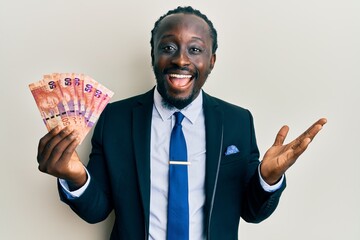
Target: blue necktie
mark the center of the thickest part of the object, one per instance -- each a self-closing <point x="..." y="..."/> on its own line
<point x="178" y="204"/>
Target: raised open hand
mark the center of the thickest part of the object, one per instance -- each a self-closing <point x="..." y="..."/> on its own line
<point x="57" y="156"/>
<point x="281" y="157"/>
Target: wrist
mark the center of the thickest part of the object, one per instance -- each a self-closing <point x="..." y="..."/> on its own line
<point x="75" y="184"/>
<point x="270" y="177"/>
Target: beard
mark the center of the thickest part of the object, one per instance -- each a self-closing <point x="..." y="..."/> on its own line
<point x="171" y="102"/>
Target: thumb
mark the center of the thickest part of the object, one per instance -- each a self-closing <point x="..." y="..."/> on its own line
<point x="281" y="135"/>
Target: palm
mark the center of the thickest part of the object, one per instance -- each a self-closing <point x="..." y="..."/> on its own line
<point x="278" y="155"/>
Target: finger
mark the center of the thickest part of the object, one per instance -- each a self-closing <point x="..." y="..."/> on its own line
<point x="300" y="144"/>
<point x="51" y="144"/>
<point x="54" y="153"/>
<point x="60" y="168"/>
<point x="281" y="135"/>
<point x="70" y="149"/>
<point x="299" y="148"/>
<point x="44" y="140"/>
<point x="313" y="130"/>
<point x="322" y="121"/>
<point x="317" y="127"/>
<point x="62" y="145"/>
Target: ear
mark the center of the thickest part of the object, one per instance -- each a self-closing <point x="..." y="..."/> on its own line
<point x="152" y="57"/>
<point x="212" y="61"/>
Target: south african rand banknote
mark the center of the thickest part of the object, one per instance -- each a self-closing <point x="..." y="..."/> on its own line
<point x="73" y="99"/>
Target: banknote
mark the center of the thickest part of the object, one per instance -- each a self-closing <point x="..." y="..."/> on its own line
<point x="74" y="99"/>
<point x="90" y="92"/>
<point x="78" y="80"/>
<point x="47" y="103"/>
<point x="79" y="97"/>
<point x="101" y="98"/>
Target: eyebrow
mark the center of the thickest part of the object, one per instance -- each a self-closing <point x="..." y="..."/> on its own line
<point x="171" y="35"/>
<point x="200" y="39"/>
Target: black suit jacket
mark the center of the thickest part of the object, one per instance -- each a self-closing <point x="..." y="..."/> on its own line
<point x="120" y="170"/>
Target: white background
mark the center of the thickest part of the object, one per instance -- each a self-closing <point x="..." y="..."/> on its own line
<point x="290" y="62"/>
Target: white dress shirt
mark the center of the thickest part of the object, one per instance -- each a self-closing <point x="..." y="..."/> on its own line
<point x="193" y="127"/>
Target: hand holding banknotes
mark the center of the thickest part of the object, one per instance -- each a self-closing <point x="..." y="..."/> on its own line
<point x="69" y="104"/>
<point x="57" y="156"/>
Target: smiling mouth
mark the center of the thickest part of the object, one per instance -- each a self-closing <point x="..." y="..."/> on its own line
<point x="180" y="80"/>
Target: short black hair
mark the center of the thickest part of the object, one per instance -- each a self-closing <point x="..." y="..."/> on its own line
<point x="185" y="10"/>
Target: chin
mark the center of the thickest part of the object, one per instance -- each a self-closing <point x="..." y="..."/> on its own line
<point x="179" y="102"/>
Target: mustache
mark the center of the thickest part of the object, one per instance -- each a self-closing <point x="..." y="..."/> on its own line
<point x="177" y="69"/>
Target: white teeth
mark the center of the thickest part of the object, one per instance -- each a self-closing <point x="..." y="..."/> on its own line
<point x="179" y="76"/>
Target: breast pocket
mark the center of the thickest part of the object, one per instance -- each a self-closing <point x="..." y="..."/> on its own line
<point x="235" y="158"/>
<point x="233" y="168"/>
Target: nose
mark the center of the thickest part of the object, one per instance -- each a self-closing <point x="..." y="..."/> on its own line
<point x="181" y="59"/>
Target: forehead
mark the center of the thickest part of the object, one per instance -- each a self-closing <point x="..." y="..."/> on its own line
<point x="181" y="23"/>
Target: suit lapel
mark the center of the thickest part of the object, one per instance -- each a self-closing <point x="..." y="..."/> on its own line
<point x="214" y="135"/>
<point x="142" y="115"/>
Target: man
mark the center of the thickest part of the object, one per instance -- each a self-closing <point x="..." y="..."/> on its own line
<point x="128" y="171"/>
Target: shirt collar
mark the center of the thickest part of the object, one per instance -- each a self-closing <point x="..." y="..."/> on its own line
<point x="191" y="112"/>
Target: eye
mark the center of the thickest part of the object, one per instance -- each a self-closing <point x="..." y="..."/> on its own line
<point x="195" y="50"/>
<point x="168" y="48"/>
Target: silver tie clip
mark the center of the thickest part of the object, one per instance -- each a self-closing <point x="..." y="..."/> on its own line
<point x="179" y="162"/>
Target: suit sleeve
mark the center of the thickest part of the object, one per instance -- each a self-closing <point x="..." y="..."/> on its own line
<point x="95" y="204"/>
<point x="257" y="204"/>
